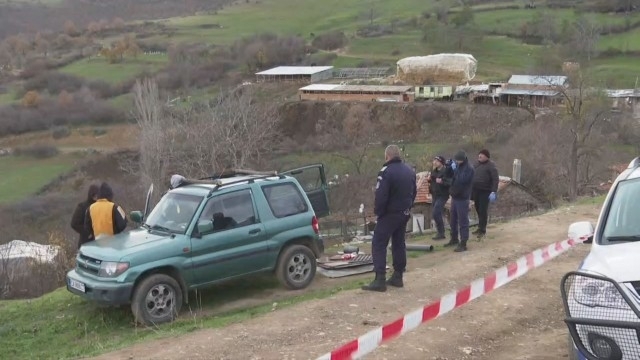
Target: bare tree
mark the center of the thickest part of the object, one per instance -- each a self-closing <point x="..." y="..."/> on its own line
<point x="585" y="108"/>
<point x="153" y="124"/>
<point x="586" y="34"/>
<point x="233" y="131"/>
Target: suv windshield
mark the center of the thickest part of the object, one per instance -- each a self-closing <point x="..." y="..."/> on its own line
<point x="173" y="213"/>
<point x="622" y="222"/>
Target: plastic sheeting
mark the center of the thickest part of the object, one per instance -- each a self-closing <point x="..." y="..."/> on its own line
<point x="17" y="249"/>
<point x="439" y="69"/>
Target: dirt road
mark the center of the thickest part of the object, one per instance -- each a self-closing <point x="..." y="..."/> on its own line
<point x="522" y="320"/>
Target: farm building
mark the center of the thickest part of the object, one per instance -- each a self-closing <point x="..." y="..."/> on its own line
<point x="533" y="90"/>
<point x="434" y="92"/>
<point x="337" y="92"/>
<point x="305" y="74"/>
<point x="625" y="99"/>
<point x="514" y="200"/>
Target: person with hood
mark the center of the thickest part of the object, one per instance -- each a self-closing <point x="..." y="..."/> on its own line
<point x="395" y="193"/>
<point x="439" y="184"/>
<point x="77" y="220"/>
<point x="484" y="190"/>
<point x="105" y="218"/>
<point x="460" y="196"/>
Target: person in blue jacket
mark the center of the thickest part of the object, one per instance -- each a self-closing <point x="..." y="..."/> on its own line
<point x="395" y="193"/>
<point x="460" y="191"/>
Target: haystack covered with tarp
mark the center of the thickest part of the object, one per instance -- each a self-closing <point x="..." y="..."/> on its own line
<point x="450" y="69"/>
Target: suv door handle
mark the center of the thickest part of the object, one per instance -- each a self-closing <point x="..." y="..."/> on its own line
<point x="254" y="231"/>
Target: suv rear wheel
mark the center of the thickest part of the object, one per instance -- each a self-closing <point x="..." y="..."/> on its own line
<point x="156" y="300"/>
<point x="296" y="267"/>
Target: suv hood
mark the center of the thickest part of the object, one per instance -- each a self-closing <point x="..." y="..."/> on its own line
<point x="120" y="245"/>
<point x="618" y="261"/>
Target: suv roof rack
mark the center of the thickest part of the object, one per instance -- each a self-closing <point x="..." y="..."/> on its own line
<point x="228" y="173"/>
<point x="239" y="181"/>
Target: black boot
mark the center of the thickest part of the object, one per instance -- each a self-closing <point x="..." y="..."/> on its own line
<point x="438" y="237"/>
<point x="378" y="284"/>
<point x="461" y="247"/>
<point x="451" y="243"/>
<point x="395" y="280"/>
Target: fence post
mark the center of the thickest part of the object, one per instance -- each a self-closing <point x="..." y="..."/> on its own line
<point x="517" y="170"/>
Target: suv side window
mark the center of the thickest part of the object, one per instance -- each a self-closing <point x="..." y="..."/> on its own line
<point x="229" y="211"/>
<point x="285" y="199"/>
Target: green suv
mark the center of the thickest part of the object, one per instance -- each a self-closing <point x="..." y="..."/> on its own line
<point x="203" y="232"/>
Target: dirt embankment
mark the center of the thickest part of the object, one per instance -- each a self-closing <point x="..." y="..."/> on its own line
<point x="437" y="121"/>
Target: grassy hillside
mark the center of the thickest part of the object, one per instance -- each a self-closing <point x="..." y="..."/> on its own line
<point x="23" y="176"/>
<point x="98" y="68"/>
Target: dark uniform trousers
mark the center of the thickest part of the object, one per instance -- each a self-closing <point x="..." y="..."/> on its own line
<point x="392" y="226"/>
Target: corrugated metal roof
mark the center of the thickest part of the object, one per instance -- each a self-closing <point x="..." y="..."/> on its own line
<point x="472" y="88"/>
<point x="320" y="87"/>
<point x="538" y="80"/>
<point x="295" y="70"/>
<point x="357" y="88"/>
<point x="622" y="93"/>
<point x="529" y="92"/>
<point x="375" y="88"/>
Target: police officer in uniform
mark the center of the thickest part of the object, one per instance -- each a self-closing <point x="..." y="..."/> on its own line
<point x="395" y="194"/>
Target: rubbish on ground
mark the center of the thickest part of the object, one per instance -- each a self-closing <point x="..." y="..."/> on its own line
<point x="416" y="247"/>
<point x="351" y="249"/>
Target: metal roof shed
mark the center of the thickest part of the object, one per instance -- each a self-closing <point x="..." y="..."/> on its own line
<point x="307" y="74"/>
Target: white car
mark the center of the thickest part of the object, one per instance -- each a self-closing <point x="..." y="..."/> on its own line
<point x="602" y="298"/>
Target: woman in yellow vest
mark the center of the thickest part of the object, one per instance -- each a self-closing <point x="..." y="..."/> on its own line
<point x="104" y="218"/>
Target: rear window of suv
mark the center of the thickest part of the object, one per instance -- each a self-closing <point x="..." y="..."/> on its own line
<point x="285" y="199"/>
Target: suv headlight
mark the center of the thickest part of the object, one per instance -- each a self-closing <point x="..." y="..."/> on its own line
<point x="112" y="269"/>
<point x="598" y="293"/>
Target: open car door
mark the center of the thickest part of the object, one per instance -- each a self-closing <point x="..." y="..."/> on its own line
<point x="313" y="181"/>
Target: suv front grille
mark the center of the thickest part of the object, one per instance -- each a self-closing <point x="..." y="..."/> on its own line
<point x="88" y="264"/>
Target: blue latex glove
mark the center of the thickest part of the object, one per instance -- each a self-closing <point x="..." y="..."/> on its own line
<point x="454" y="165"/>
<point x="493" y="197"/>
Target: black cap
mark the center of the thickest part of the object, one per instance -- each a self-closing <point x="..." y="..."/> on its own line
<point x="460" y="156"/>
<point x="441" y="159"/>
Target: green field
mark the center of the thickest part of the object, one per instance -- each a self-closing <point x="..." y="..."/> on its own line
<point x="98" y="68"/>
<point x="23" y="176"/>
<point x="509" y="22"/>
<point x="7" y="98"/>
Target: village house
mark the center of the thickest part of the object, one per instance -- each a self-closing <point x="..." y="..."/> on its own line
<point x="481" y="93"/>
<point x="625" y="99"/>
<point x="338" y="92"/>
<point x="533" y="90"/>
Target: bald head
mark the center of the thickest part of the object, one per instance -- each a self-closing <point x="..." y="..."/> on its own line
<point x="392" y="151"/>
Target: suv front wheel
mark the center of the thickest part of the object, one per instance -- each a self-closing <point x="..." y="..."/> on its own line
<point x="296" y="267"/>
<point x="156" y="300"/>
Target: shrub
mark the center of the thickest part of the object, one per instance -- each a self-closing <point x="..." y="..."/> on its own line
<point x="99" y="131"/>
<point x="59" y="132"/>
<point x="37" y="151"/>
<point x="330" y="41"/>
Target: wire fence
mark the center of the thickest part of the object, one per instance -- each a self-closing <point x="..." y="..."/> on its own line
<point x="351" y="225"/>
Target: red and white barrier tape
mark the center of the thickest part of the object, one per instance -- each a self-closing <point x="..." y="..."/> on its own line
<point x="371" y="340"/>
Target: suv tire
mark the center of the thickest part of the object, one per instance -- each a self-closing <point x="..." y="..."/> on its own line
<point x="156" y="300"/>
<point x="296" y="267"/>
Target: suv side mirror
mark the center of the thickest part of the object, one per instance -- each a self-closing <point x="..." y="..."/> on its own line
<point x="205" y="226"/>
<point x="582" y="230"/>
<point x="136" y="216"/>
